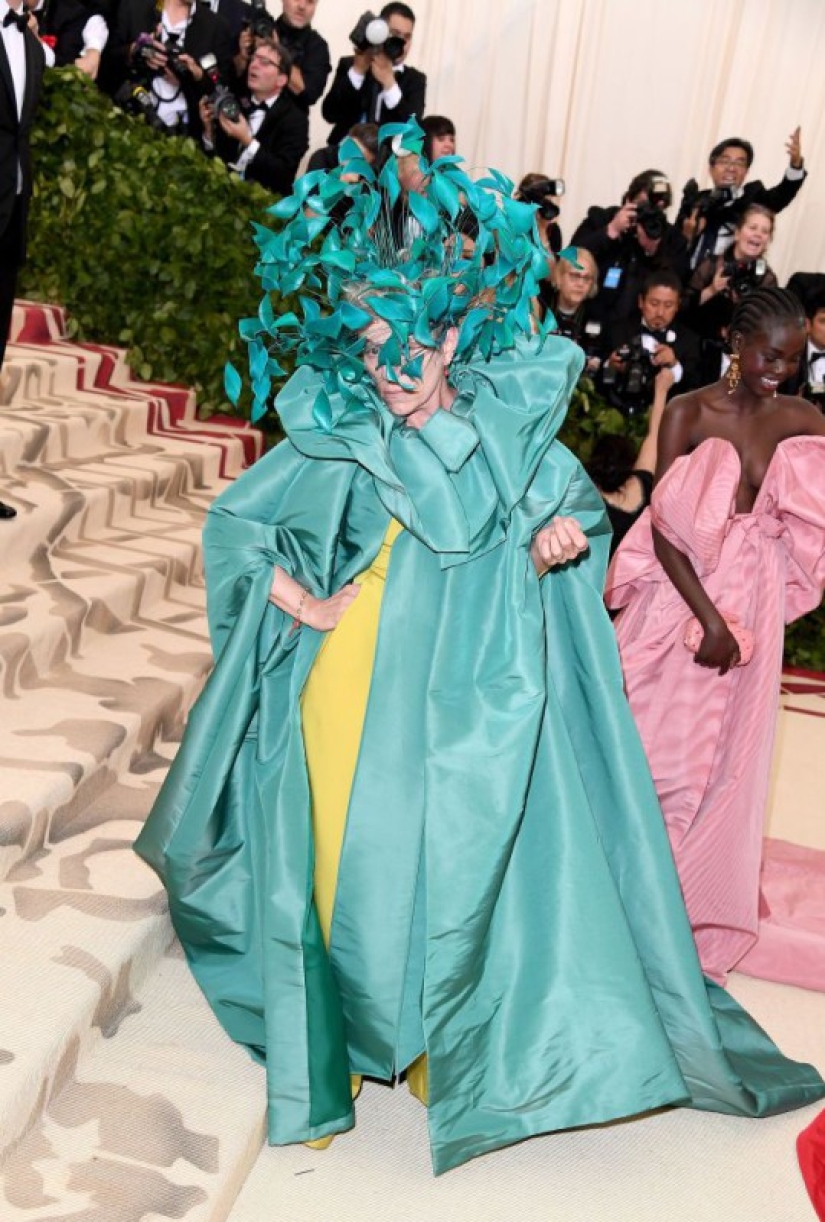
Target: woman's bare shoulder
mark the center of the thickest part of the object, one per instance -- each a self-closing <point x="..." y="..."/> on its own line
<point x="802" y="416"/>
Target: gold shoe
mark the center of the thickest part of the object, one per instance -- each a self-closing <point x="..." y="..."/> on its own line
<point x="418" y="1080"/>
<point x="356" y="1081"/>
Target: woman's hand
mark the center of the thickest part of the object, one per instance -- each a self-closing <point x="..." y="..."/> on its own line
<point x="557" y="543"/>
<point x="719" y="649"/>
<point x="718" y="284"/>
<point x="324" y="614"/>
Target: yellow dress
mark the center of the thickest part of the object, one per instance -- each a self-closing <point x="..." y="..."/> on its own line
<point x="333" y="708"/>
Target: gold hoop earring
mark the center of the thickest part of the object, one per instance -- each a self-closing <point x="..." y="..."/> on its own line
<point x="734" y="374"/>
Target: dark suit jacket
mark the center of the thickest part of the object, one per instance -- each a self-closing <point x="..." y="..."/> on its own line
<point x="14" y="132"/>
<point x="206" y="34"/>
<point x="63" y="20"/>
<point x="310" y="53"/>
<point x="685" y="345"/>
<point x="283" y="137"/>
<point x="345" y="105"/>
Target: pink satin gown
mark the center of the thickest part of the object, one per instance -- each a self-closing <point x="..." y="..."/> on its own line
<point x="709" y="738"/>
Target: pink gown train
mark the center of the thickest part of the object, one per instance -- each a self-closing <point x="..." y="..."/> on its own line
<point x="709" y="738"/>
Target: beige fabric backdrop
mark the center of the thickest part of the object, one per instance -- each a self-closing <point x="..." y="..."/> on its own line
<point x="596" y="90"/>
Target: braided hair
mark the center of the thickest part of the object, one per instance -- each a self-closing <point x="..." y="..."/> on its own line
<point x="760" y="309"/>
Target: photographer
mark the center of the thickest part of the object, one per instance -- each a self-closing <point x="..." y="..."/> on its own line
<point x="651" y="352"/>
<point x="293" y="31"/>
<point x="375" y="85"/>
<point x="631" y="241"/>
<point x="544" y="192"/>
<point x="720" y="281"/>
<point x="264" y="138"/>
<point x="708" y="218"/>
<point x="165" y="56"/>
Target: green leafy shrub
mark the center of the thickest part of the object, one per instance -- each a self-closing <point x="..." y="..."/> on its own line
<point x="145" y="241"/>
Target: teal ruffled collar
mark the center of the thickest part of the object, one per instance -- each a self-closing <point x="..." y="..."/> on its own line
<point x="455" y="481"/>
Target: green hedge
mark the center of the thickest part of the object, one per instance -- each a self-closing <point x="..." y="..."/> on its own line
<point x="148" y="245"/>
<point x="144" y="239"/>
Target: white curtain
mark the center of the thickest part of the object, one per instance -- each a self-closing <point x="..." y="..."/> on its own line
<point x="594" y="91"/>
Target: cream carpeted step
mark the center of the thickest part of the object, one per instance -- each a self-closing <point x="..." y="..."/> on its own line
<point x="103" y="642"/>
<point x="160" y="1118"/>
<point x="112" y="1095"/>
<point x="70" y="734"/>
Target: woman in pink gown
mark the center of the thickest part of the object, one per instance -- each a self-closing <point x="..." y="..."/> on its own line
<point x="736" y="529"/>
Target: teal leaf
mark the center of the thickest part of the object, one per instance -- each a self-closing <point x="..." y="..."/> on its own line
<point x="232" y="383"/>
<point x="424" y="212"/>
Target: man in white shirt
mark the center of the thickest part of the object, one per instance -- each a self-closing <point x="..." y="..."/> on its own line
<point x="21" y="76"/>
<point x="372" y="87"/>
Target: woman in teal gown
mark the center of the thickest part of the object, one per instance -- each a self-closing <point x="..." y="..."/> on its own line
<point x="506" y="901"/>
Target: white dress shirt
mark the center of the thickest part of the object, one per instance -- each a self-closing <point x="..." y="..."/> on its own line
<point x="15" y="46"/>
<point x="172" y="107"/>
<point x="815" y="366"/>
<point x="388" y="99"/>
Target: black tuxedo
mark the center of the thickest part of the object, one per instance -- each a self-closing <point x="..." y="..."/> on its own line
<point x="802" y="383"/>
<point x="684" y="343"/>
<point x="63" y="20"/>
<point x="283" y="137"/>
<point x="14" y="153"/>
<point x="345" y="105"/>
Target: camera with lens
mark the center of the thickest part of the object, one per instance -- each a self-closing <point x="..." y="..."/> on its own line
<point x="715" y="200"/>
<point x="146" y="48"/>
<point x="650" y="214"/>
<point x="261" y="22"/>
<point x="136" y="99"/>
<point x="537" y="194"/>
<point x="218" y="95"/>
<point x="630" y="388"/>
<point x="651" y="220"/>
<point x="372" y="33"/>
<point x="743" y="278"/>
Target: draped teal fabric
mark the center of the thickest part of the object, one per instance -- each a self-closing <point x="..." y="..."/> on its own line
<point x="506" y="900"/>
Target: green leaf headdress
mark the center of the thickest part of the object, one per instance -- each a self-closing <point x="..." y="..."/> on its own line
<point x="354" y="247"/>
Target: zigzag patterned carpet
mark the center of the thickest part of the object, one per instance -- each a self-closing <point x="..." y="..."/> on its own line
<point x="120" y="1098"/>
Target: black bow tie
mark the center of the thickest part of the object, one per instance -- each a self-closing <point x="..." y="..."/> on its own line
<point x="659" y="336"/>
<point x="815" y="356"/>
<point x="21" y="19"/>
<point x="253" y="107"/>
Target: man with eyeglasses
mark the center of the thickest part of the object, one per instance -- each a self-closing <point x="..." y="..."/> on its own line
<point x="270" y="136"/>
<point x="371" y="87"/>
<point x="708" y="218"/>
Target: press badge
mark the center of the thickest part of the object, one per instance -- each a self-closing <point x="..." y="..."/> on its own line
<point x="612" y="278"/>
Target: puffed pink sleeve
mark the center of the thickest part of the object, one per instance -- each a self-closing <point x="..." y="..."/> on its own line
<point x="795" y="494"/>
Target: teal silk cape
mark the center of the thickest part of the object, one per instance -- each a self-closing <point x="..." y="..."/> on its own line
<point x="506" y="899"/>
